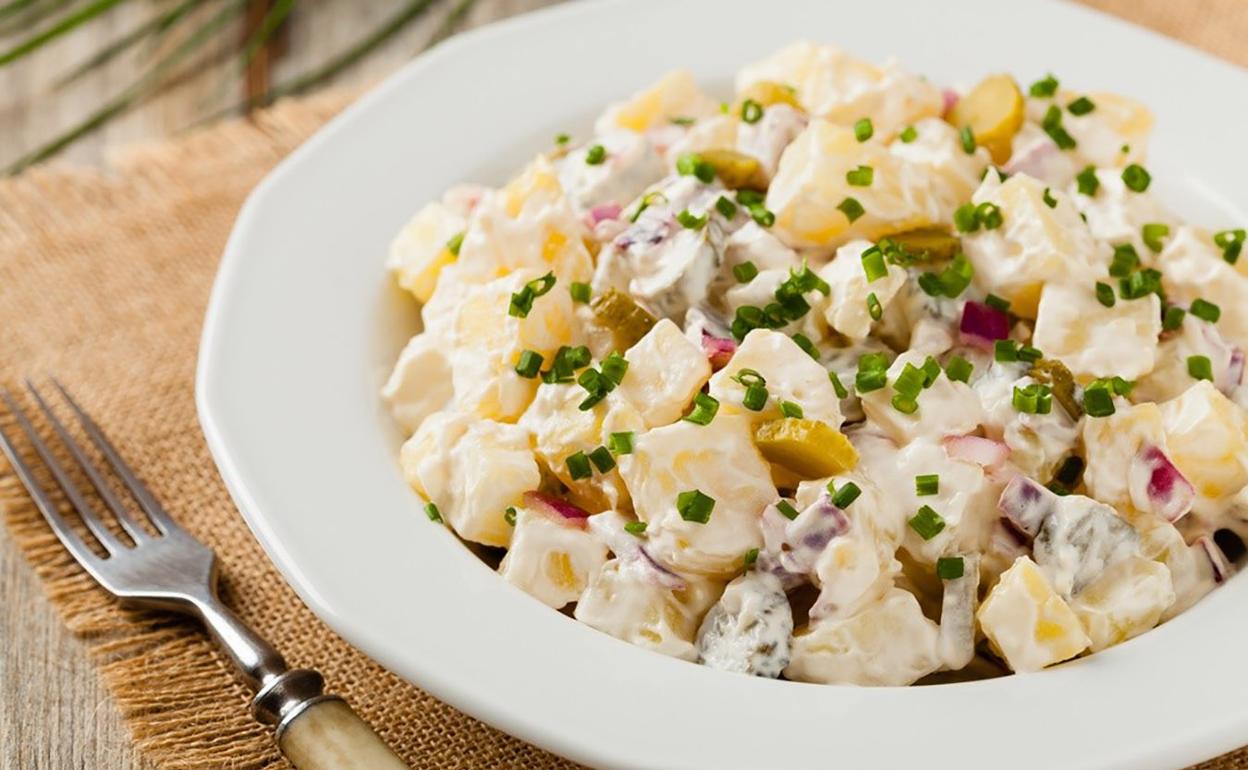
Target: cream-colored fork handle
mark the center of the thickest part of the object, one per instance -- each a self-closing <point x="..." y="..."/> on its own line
<point x="327" y="735"/>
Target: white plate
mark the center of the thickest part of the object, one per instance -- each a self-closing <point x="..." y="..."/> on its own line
<point x="303" y="325"/>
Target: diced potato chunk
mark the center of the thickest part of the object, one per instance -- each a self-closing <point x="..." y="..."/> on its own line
<point x="847" y="310"/>
<point x="472" y="469"/>
<point x="1207" y="435"/>
<point x="623" y="602"/>
<point x="665" y="371"/>
<point x="419" y="252"/>
<point x="769" y="92"/>
<point x="488" y="342"/>
<point x="675" y="95"/>
<point x="1125" y="601"/>
<point x="553" y="561"/>
<point x="718" y="460"/>
<point x="1191" y="268"/>
<point x="790" y="375"/>
<point x="994" y="112"/>
<point x="420" y="383"/>
<point x="950" y="173"/>
<point x="809" y="448"/>
<point x="1027" y="622"/>
<point x="1111" y="445"/>
<point x="1101" y="135"/>
<point x="889" y="643"/>
<point x="1033" y="246"/>
<point x="1097" y="341"/>
<point x="946" y="407"/>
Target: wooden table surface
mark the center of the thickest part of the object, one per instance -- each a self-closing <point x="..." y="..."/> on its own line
<point x="54" y="713"/>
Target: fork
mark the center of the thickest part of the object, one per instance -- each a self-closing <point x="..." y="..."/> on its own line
<point x="173" y="571"/>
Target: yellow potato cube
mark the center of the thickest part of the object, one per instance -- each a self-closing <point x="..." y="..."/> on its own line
<point x="1125" y="601"/>
<point x="420" y="251"/>
<point x="789" y="374"/>
<point x="1097" y="341"/>
<point x="420" y="383"/>
<point x="1111" y="444"/>
<point x="1207" y="435"/>
<point x="553" y="561"/>
<point x="1027" y="622"/>
<point x="846" y="310"/>
<point x="665" y="371"/>
<point x="1191" y="268"/>
<point x="675" y="95"/>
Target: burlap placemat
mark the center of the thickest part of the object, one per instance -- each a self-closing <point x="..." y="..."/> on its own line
<point x="103" y="280"/>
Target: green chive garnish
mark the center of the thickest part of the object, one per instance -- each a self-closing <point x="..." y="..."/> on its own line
<point x="1136" y="177"/>
<point x="745" y="272"/>
<point x="1000" y="303"/>
<point x="1124" y="261"/>
<point x="861" y="176"/>
<point x="1035" y="398"/>
<point x="927" y="523"/>
<point x="529" y="364"/>
<point x="967" y="138"/>
<point x="509" y="515"/>
<point x="790" y="409"/>
<point x="1200" y="367"/>
<point x="621" y="443"/>
<point x="578" y="466"/>
<point x="1045" y="87"/>
<point x="691" y="164"/>
<point x="873" y="264"/>
<point x="1105" y="294"/>
<point x="602" y="459"/>
<point x="694" y="506"/>
<point x="1049" y="200"/>
<point x="596" y="155"/>
<point x="965" y="219"/>
<point x="581" y="292"/>
<point x="454" y="243"/>
<point x="950" y="567"/>
<point x="845" y="496"/>
<point x="635" y="528"/>
<point x="1098" y="402"/>
<point x="704" y="409"/>
<point x="787" y="510"/>
<point x="1205" y="311"/>
<point x="908" y="134"/>
<point x="989" y="215"/>
<point x="750" y="557"/>
<point x="874" y="308"/>
<point x="432" y="512"/>
<point x="1081" y="106"/>
<point x="927" y="484"/>
<point x="959" y="369"/>
<point x="725" y="207"/>
<point x="837" y="385"/>
<point x="863" y="129"/>
<point x="1152" y="235"/>
<point x="1173" y="318"/>
<point x="851" y="208"/>
<point x="755" y="398"/>
<point x="751" y="111"/>
<point x="690" y="220"/>
<point x="1087" y="181"/>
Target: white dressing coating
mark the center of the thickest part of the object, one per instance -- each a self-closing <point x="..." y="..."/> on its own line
<point x="654" y="370"/>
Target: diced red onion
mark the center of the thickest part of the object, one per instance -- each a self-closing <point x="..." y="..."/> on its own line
<point x="604" y="211"/>
<point x="951" y="99"/>
<point x="1222" y="569"/>
<point x="718" y="350"/>
<point x="984" y="452"/>
<point x="982" y="325"/>
<point x="556" y="508"/>
<point x="1157" y="486"/>
<point x="660" y="574"/>
<point x="1034" y="160"/>
<point x="1235" y="370"/>
<point x="1026" y="504"/>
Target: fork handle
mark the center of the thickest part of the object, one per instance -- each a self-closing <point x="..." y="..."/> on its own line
<point x="327" y="735"/>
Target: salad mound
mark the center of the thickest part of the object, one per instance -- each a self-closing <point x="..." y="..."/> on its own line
<point x="850" y="379"/>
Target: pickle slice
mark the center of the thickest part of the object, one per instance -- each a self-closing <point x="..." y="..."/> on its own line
<point x="1054" y="373"/>
<point x="994" y="111"/>
<point x="928" y="244"/>
<point x="810" y="448"/>
<point x="620" y="314"/>
<point x="767" y="93"/>
<point x="736" y="169"/>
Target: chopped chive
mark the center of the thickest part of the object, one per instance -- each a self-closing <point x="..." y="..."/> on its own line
<point x="762" y="216"/>
<point x="863" y="129"/>
<point x="750" y="557"/>
<point x="647" y="200"/>
<point x="431" y="510"/>
<point x="910" y="382"/>
<point x="691" y="221"/>
<point x="1081" y="106"/>
<point x="602" y="459"/>
<point x="682" y="121"/>
<point x="837" y="385"/>
<point x="694" y="506"/>
<point x="1029" y="354"/>
<point x="873" y="264"/>
<point x="904" y="404"/>
<point x="1045" y="87"/>
<point x="725" y="207"/>
<point x="1087" y="181"/>
<point x="578" y="466"/>
<point x="959" y="369"/>
<point x="1035" y="398"/>
<point x="865" y="382"/>
<point x="635" y="528"/>
<point x="705" y="407"/>
<point x="908" y="134"/>
<point x="790" y="409"/>
<point x="1052" y="125"/>
<point x="805" y="344"/>
<point x="1205" y="311"/>
<point x="927" y="484"/>
<point x="455" y="242"/>
<point x="1124" y="261"/>
<point x="614" y="367"/>
<point x="1152" y="234"/>
<point x="927" y="523"/>
<point x="755" y="398"/>
<point x="874" y="309"/>
<point x="745" y="272"/>
<point x="1136" y="177"/>
<point x="522" y="301"/>
<point x="1231" y="242"/>
<point x="748" y="377"/>
<point x="851" y="208"/>
<point x="1005" y="351"/>
<point x="965" y="218"/>
<point x="1173" y="318"/>
<point x="950" y="567"/>
<point x="862" y="176"/>
<point x="562" y="138"/>
<point x="989" y="215"/>
<point x="967" y="137"/>
<point x="581" y="292"/>
<point x="787" y="510"/>
<point x="621" y="443"/>
<point x="1000" y="303"/>
<point x="596" y="155"/>
<point x="1105" y="294"/>
<point x="692" y="164"/>
<point x="1098" y="402"/>
<point x="845" y="496"/>
<point x="931" y="371"/>
<point x="1141" y="284"/>
<point x="509" y="515"/>
<point x="1048" y="198"/>
<point x="529" y="365"/>
<point x="1200" y="367"/>
<point x="751" y="111"/>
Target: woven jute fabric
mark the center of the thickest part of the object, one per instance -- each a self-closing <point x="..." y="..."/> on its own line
<point x="104" y="277"/>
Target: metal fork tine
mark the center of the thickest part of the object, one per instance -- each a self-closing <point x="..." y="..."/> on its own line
<point x="147" y="501"/>
<point x="132" y="527"/>
<point x="46" y="505"/>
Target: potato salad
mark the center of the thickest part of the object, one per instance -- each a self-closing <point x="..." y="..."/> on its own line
<point x="851" y="379"/>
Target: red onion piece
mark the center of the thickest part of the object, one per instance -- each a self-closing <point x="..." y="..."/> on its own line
<point x="718" y="350"/>
<point x="604" y="211"/>
<point x="1034" y="160"/>
<point x="1235" y="370"/>
<point x="1026" y="504"/>
<point x="982" y="325"/>
<point x="1222" y="569"/>
<point x="1157" y="486"/>
<point x="984" y="452"/>
<point x="950" y="98"/>
<point x="660" y="574"/>
<point x="556" y="508"/>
